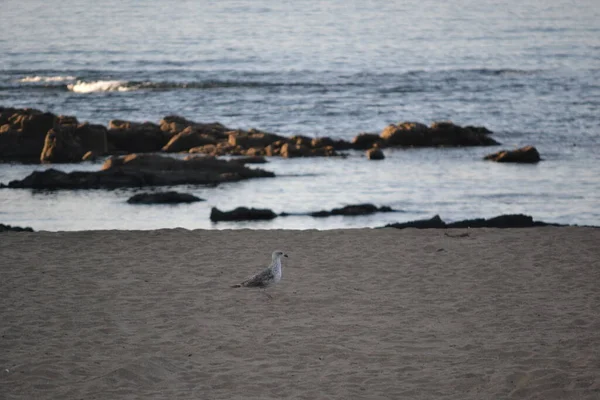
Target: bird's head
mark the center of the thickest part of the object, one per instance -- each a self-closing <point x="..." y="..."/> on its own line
<point x="278" y="254"/>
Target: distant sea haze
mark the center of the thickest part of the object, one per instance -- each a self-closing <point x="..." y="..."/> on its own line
<point x="528" y="72"/>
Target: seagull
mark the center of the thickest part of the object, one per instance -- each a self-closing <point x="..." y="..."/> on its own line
<point x="267" y="277"/>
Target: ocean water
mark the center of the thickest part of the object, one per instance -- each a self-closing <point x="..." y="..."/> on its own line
<point x="527" y="70"/>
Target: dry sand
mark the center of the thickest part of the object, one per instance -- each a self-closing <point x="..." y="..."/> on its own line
<point x="377" y="314"/>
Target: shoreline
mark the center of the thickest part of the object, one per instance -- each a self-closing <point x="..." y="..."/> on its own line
<point x="504" y="221"/>
<point x="392" y="313"/>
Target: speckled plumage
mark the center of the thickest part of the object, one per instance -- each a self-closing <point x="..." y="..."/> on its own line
<point x="269" y="276"/>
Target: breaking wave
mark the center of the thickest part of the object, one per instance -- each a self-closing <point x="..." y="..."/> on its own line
<point x="35" y="79"/>
<point x="99" y="86"/>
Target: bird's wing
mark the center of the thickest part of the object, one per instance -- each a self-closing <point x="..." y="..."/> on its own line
<point x="261" y="279"/>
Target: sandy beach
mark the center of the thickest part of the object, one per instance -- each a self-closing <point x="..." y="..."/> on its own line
<point x="377" y="314"/>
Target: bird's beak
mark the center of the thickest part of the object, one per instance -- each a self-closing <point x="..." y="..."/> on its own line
<point x="285" y="255"/>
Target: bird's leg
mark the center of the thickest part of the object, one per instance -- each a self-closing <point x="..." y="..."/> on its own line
<point x="267" y="294"/>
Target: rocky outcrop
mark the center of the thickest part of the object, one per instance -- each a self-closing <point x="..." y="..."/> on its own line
<point x="501" y="221"/>
<point x="434" y="222"/>
<point x="69" y="143"/>
<point x="525" y="155"/>
<point x="143" y="170"/>
<point x="242" y="214"/>
<point x="170" y="197"/>
<point x="336" y="144"/>
<point x="22" y="133"/>
<point x="136" y="137"/>
<point x="252" y="138"/>
<point x="188" y="138"/>
<point x="23" y="137"/>
<point x="364" y="141"/>
<point x="8" y="228"/>
<point x="405" y="134"/>
<point x="174" y="124"/>
<point x="289" y="150"/>
<point x="440" y="134"/>
<point x="352" y="210"/>
<point x="219" y="149"/>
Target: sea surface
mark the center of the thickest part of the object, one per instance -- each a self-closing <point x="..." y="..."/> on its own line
<point x="527" y="70"/>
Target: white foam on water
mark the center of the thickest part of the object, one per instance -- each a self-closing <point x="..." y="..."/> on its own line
<point x="33" y="79"/>
<point x="98" y="86"/>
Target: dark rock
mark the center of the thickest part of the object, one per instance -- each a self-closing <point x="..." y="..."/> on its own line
<point x="174" y="124"/>
<point x="250" y="160"/>
<point x="405" y="134"/>
<point x="479" y="129"/>
<point x="449" y="134"/>
<point x="90" y="156"/>
<point x="364" y="141"/>
<point x="352" y="210"/>
<point x="289" y="150"/>
<point x="375" y="154"/>
<point x="241" y="214"/>
<point x="255" y="152"/>
<point x="301" y="140"/>
<point x="23" y="133"/>
<point x="10" y="149"/>
<point x="136" y="137"/>
<point x="189" y="138"/>
<point x="501" y="221"/>
<point x="527" y="155"/>
<point x="220" y="149"/>
<point x="468" y="223"/>
<point x="414" y="134"/>
<point x="33" y="124"/>
<point x="252" y="138"/>
<point x="327" y="151"/>
<point x="53" y="179"/>
<point x="69" y="143"/>
<point x="322" y="142"/>
<point x="342" y="145"/>
<point x="6" y="113"/>
<point x="170" y="197"/>
<point x="8" y="228"/>
<point x="336" y="144"/>
<point x="67" y="120"/>
<point x="143" y="170"/>
<point x="435" y="222"/>
<point x="274" y="149"/>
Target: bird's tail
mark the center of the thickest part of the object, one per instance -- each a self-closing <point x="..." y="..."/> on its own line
<point x="235" y="286"/>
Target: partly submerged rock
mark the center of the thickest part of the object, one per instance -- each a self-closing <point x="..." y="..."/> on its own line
<point x="352" y="210"/>
<point x="434" y="222"/>
<point x="242" y="214"/>
<point x="440" y="134"/>
<point x="375" y="154"/>
<point x="137" y="170"/>
<point x="501" y="221"/>
<point x="364" y="141"/>
<point x="526" y="155"/>
<point x="170" y="197"/>
<point x="8" y="228"/>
